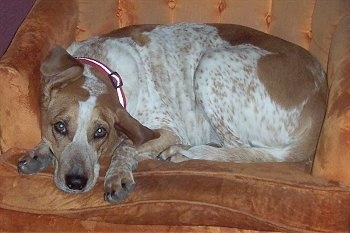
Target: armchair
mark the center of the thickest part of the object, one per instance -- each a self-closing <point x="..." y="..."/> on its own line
<point x="194" y="196"/>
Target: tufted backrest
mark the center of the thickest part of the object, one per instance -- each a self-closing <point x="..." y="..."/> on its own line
<point x="309" y="24"/>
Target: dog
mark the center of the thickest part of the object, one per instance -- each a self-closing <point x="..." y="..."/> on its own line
<point x="174" y="92"/>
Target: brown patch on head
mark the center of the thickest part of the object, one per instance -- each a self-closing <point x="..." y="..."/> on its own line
<point x="63" y="106"/>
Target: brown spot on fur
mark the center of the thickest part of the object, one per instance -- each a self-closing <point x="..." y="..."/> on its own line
<point x="75" y="90"/>
<point x="288" y="76"/>
<point x="237" y="34"/>
<point x="286" y="79"/>
<point x="130" y="30"/>
<point x="139" y="38"/>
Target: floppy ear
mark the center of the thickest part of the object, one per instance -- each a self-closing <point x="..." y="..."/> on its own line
<point x="58" y="68"/>
<point x="133" y="129"/>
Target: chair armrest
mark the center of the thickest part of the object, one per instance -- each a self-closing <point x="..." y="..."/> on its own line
<point x="48" y="23"/>
<point x="333" y="153"/>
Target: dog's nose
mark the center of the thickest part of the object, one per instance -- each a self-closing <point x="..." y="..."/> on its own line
<point x="76" y="182"/>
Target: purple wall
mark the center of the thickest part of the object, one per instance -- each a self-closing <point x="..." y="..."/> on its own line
<point x="12" y="13"/>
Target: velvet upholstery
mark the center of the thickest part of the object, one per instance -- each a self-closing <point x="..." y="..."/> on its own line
<point x="196" y="195"/>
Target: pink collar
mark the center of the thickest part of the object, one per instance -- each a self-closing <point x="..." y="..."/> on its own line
<point x="112" y="75"/>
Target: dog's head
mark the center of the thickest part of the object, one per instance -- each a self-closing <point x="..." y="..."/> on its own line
<point x="82" y="120"/>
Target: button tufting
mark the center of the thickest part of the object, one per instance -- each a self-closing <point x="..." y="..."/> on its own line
<point x="268" y="19"/>
<point x="309" y="34"/>
<point x="172" y="4"/>
<point x="119" y="12"/>
<point x="222" y="6"/>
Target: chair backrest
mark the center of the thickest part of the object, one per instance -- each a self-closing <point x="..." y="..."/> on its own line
<point x="309" y="24"/>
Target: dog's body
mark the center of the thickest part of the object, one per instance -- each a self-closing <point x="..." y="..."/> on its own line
<point x="193" y="91"/>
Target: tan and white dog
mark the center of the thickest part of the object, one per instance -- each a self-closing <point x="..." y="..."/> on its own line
<point x="176" y="92"/>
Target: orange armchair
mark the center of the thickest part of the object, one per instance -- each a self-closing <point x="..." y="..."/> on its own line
<point x="192" y="196"/>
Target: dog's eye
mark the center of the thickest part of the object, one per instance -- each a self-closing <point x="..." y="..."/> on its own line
<point x="100" y="133"/>
<point x="61" y="128"/>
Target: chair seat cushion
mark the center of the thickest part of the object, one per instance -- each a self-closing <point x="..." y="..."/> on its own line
<point x="265" y="196"/>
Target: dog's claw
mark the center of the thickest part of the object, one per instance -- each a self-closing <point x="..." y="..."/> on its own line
<point x="118" y="184"/>
<point x="117" y="197"/>
<point x="30" y="164"/>
<point x="35" y="160"/>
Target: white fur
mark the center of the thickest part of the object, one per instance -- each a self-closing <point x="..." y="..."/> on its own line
<point x="84" y="119"/>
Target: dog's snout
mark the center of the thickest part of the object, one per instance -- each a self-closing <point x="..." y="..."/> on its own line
<point x="76" y="182"/>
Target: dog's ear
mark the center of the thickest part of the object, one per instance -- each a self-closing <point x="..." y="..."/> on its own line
<point x="58" y="68"/>
<point x="133" y="129"/>
<point x="59" y="63"/>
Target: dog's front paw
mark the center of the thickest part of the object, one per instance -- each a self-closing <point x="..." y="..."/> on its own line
<point x="118" y="185"/>
<point x="34" y="161"/>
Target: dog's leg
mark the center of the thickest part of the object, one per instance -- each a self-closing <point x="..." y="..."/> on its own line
<point x="36" y="160"/>
<point x="119" y="180"/>
<point x="179" y="153"/>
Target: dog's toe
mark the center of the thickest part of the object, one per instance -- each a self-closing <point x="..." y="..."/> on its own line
<point x="116" y="196"/>
<point x="174" y="153"/>
<point x="118" y="186"/>
<point x="31" y="163"/>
